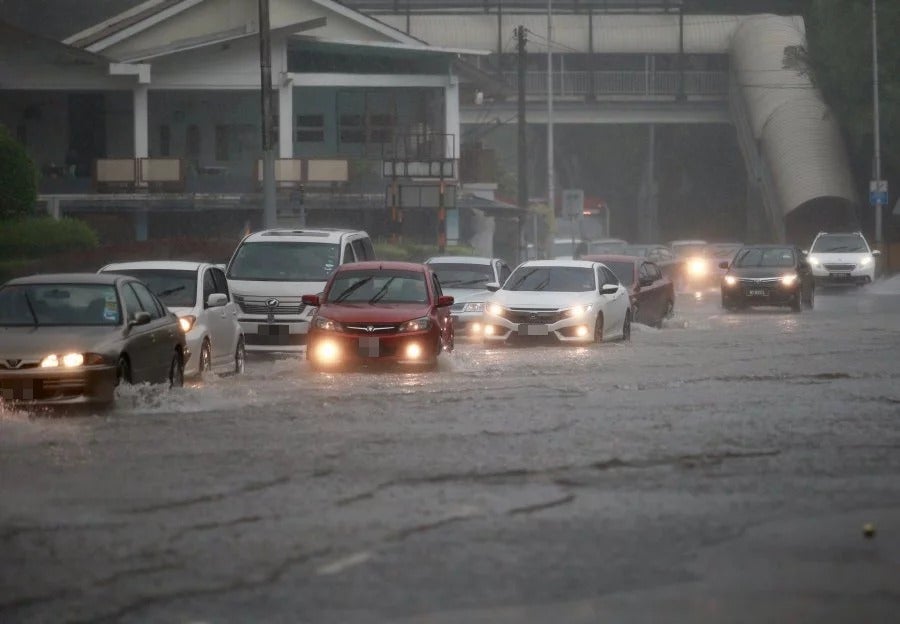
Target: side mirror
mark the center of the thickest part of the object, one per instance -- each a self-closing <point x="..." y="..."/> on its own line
<point x="609" y="289"/>
<point x="876" y="253"/>
<point x="216" y="300"/>
<point x="805" y="252"/>
<point x="492" y="286"/>
<point x="311" y="300"/>
<point x="723" y="265"/>
<point x="444" y="301"/>
<point x="139" y="318"/>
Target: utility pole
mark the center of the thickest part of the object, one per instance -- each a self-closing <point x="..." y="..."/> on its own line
<point x="523" y="136"/>
<point x="270" y="216"/>
<point x="877" y="122"/>
<point x="551" y="181"/>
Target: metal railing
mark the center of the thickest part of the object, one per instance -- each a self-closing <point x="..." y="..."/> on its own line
<point x="625" y="83"/>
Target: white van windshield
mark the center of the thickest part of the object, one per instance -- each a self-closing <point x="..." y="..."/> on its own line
<point x="298" y="261"/>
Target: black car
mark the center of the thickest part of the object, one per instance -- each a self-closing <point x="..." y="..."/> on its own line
<point x="768" y="275"/>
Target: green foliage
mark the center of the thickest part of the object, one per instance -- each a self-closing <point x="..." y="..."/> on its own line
<point x="417" y="252"/>
<point x="43" y="236"/>
<point x="18" y="179"/>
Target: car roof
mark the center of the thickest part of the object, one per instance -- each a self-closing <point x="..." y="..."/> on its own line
<point x="609" y="240"/>
<point x="601" y="258"/>
<point x="324" y="235"/>
<point x="689" y="241"/>
<point x="385" y="265"/>
<point x="771" y="246"/>
<point x="585" y="264"/>
<point x="69" y="278"/>
<point x="170" y="265"/>
<point x="460" y="260"/>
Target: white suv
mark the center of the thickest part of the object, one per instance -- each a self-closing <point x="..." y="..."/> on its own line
<point x="271" y="270"/>
<point x="844" y="258"/>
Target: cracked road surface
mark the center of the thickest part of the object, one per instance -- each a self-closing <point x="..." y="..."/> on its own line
<point x="717" y="470"/>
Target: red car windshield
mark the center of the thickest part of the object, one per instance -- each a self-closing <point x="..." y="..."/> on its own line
<point x="378" y="286"/>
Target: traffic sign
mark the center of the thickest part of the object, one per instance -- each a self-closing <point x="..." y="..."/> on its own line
<point x="878" y="192"/>
<point x="572" y="203"/>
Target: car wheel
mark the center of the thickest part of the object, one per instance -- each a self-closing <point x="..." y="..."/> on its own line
<point x="123" y="371"/>
<point x="205" y="358"/>
<point x="598" y="329"/>
<point x="626" y="327"/>
<point x="240" y="357"/>
<point x="176" y="371"/>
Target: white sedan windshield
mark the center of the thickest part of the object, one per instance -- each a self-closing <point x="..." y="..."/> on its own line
<point x="552" y="279"/>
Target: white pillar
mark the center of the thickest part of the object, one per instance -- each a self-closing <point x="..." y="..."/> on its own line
<point x="141" y="121"/>
<point x="451" y="117"/>
<point x="286" y="119"/>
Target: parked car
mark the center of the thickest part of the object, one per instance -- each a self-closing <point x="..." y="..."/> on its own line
<point x="73" y="337"/>
<point x="559" y="300"/>
<point x="380" y="312"/>
<point x="198" y="294"/>
<point x="768" y="275"/>
<point x="270" y="270"/>
<point x="842" y="259"/>
<point x="652" y="294"/>
<point x="466" y="278"/>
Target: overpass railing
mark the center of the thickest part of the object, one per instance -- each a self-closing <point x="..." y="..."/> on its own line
<point x="631" y="84"/>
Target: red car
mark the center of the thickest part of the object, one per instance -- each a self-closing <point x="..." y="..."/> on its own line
<point x="379" y="312"/>
<point x="652" y="294"/>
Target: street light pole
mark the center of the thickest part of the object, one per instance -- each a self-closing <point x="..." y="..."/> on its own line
<point x="270" y="216"/>
<point x="551" y="181"/>
<point x="877" y="122"/>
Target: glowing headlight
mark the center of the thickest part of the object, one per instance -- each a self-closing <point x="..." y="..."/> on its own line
<point x="582" y="331"/>
<point x="474" y="307"/>
<point x="186" y="322"/>
<point x="731" y="280"/>
<point x="419" y="324"/>
<point x="69" y="360"/>
<point x="697" y="267"/>
<point x="789" y="279"/>
<point x="813" y="261"/>
<point x="577" y="311"/>
<point x="413" y="351"/>
<point x="866" y="261"/>
<point x="327" y="324"/>
<point x="496" y="309"/>
<point x="327" y="352"/>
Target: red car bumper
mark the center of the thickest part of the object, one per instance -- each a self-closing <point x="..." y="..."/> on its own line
<point x="334" y="350"/>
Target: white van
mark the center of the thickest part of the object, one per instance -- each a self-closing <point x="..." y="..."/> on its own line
<point x="271" y="270"/>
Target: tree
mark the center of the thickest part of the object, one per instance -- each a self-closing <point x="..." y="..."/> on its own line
<point x="18" y="179"/>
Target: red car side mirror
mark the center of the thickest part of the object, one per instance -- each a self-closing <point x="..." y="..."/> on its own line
<point x="311" y="300"/>
<point x="444" y="301"/>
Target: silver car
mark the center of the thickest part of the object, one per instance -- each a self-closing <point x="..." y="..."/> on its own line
<point x="466" y="279"/>
<point x="72" y="338"/>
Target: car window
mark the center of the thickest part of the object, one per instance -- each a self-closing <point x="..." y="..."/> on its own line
<point x="284" y="261"/>
<point x="782" y="257"/>
<point x="148" y="301"/>
<point x="369" y="249"/>
<point x="552" y="279"/>
<point x="463" y="274"/>
<point x="624" y="271"/>
<point x="348" y="254"/>
<point x="209" y="285"/>
<point x="221" y="282"/>
<point x="359" y="250"/>
<point x="132" y="303"/>
<point x="59" y="304"/>
<point x="837" y="243"/>
<point x="505" y="272"/>
<point x="609" y="277"/>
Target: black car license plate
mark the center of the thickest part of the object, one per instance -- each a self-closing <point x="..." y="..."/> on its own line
<point x="273" y="330"/>
<point x="757" y="293"/>
<point x="369" y="346"/>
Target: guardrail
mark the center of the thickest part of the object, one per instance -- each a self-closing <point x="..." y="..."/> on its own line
<point x="625" y="83"/>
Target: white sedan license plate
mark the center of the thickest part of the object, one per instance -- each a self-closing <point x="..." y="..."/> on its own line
<point x="534" y="330"/>
<point x="756" y="293"/>
<point x="842" y="275"/>
<point x="369" y="347"/>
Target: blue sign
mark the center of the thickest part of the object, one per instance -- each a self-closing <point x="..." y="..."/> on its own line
<point x="878" y="198"/>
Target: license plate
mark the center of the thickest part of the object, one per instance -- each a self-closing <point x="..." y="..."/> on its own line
<point x="273" y="330"/>
<point x="19" y="390"/>
<point x="533" y="330"/>
<point x="839" y="275"/>
<point x="369" y="346"/>
<point x="756" y="293"/>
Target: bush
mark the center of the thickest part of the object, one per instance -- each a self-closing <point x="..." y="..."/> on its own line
<point x="18" y="179"/>
<point x="44" y="236"/>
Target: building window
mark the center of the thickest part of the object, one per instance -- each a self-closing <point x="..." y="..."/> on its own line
<point x="310" y="129"/>
<point x="352" y="129"/>
<point x="165" y="141"/>
<point x="381" y="128"/>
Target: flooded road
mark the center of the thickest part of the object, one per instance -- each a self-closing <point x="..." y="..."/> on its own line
<point x="718" y="469"/>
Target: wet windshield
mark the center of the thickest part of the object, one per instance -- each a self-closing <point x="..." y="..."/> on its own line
<point x="176" y="289"/>
<point x="285" y="261"/>
<point x="688" y="249"/>
<point x="624" y="271"/>
<point x="836" y="243"/>
<point x="378" y="287"/>
<point x="722" y="251"/>
<point x="782" y="257"/>
<point x="59" y="304"/>
<point x="552" y="279"/>
<point x="460" y="275"/>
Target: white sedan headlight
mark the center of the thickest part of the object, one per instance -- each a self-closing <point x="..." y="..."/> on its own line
<point x="866" y="261"/>
<point x="577" y="311"/>
<point x="474" y="306"/>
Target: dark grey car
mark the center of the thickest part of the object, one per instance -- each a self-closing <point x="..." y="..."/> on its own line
<point x="72" y="338"/>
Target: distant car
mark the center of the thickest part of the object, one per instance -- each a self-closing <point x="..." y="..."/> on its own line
<point x="695" y="270"/>
<point x="607" y="246"/>
<point x="563" y="248"/>
<point x="466" y="279"/>
<point x="716" y="254"/>
<point x="652" y="294"/>
<point x="841" y="259"/>
<point x="198" y="294"/>
<point x="559" y="300"/>
<point x="73" y="337"/>
<point x="380" y="312"/>
<point x="768" y="275"/>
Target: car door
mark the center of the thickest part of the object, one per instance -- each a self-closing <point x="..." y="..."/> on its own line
<point x="614" y="305"/>
<point x="219" y="320"/>
<point x="646" y="308"/>
<point x="653" y="290"/>
<point x="443" y="314"/>
<point x="162" y="334"/>
<point x="231" y="329"/>
<point x="138" y="338"/>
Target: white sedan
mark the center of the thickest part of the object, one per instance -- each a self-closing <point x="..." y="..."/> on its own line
<point x="566" y="300"/>
<point x="198" y="294"/>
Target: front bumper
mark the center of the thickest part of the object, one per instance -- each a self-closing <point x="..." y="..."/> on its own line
<point x="336" y="350"/>
<point x="844" y="276"/>
<point x="280" y="335"/>
<point x="771" y="294"/>
<point x="500" y="329"/>
<point x="467" y="324"/>
<point x="58" y="386"/>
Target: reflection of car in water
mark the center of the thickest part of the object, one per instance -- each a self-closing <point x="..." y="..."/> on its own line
<point x="652" y="294"/>
<point x="768" y="275"/>
<point x="466" y="279"/>
<point x="385" y="312"/>
<point x="71" y="338"/>
<point x="842" y="259"/>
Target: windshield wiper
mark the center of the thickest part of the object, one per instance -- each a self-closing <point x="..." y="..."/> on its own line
<point x="164" y="293"/>
<point x="465" y="282"/>
<point x="351" y="289"/>
<point x="522" y="279"/>
<point x="381" y="293"/>
<point x="30" y="308"/>
<point x="542" y="285"/>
